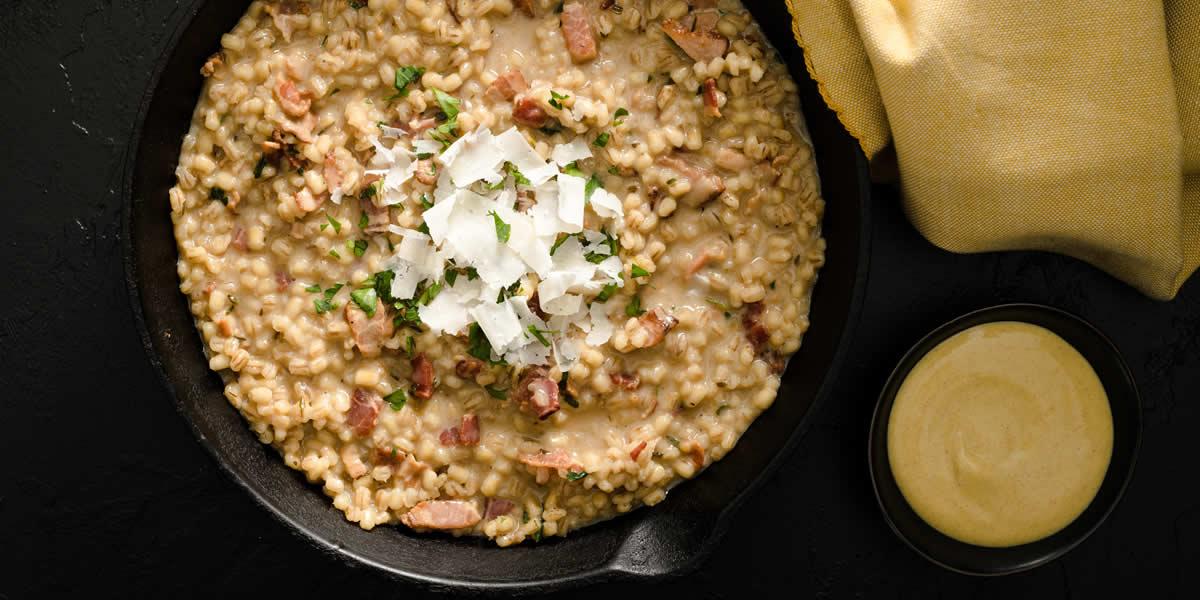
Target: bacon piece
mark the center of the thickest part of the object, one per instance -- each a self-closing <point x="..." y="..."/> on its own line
<point x="468" y="432"/>
<point x="526" y="6"/>
<point x="293" y="102"/>
<point x="656" y="324"/>
<point x="629" y="381"/>
<point x="577" y="32"/>
<point x="497" y="507"/>
<point x="508" y="85"/>
<point x="332" y="173"/>
<point x="468" y="368"/>
<point x="633" y="454"/>
<point x="209" y="287"/>
<point x="302" y="130"/>
<point x="426" y="172"/>
<point x="282" y="281"/>
<point x="706" y="20"/>
<point x="537" y="394"/>
<point x="731" y="159"/>
<point x="442" y="514"/>
<point x="755" y="332"/>
<point x="369" y="332"/>
<point x="706" y="185"/>
<point x="525" y="201"/>
<point x="701" y="46"/>
<point x="422" y="376"/>
<point x="306" y="201"/>
<point x="696" y="453"/>
<point x="417" y="125"/>
<point x="529" y="113"/>
<point x="378" y="217"/>
<point x="364" y="408"/>
<point x="226" y="327"/>
<point x="558" y="459"/>
<point x="535" y="306"/>
<point x="353" y="462"/>
<point x="239" y="238"/>
<point x="711" y="101"/>
<point x="281" y="14"/>
<point x="233" y="201"/>
<point x="449" y="436"/>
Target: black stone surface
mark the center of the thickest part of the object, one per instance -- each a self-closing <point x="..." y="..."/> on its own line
<point x="104" y="492"/>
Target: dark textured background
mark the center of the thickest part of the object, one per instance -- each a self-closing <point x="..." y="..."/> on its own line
<point x="104" y="490"/>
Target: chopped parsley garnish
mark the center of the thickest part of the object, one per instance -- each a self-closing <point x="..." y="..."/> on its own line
<point x="480" y="347"/>
<point x="313" y="289"/>
<point x="411" y="347"/>
<point x="357" y="4"/>
<point x="365" y="298"/>
<point x="335" y="90"/>
<point x="323" y="306"/>
<point x="426" y="203"/>
<point x="634" y="308"/>
<point x="448" y="103"/>
<point x="566" y="395"/>
<point x="382" y="282"/>
<point x="358" y="247"/>
<point x="637" y="271"/>
<point x="614" y="171"/>
<point x="722" y="408"/>
<point x="333" y="290"/>
<point x="771" y="285"/>
<point x="717" y="303"/>
<point x="573" y="169"/>
<point x="649" y="78"/>
<point x="472" y="274"/>
<point x="672" y="181"/>
<point x="602" y="139"/>
<point x="367" y="192"/>
<point x="606" y="293"/>
<point x="502" y="229"/>
<point x="218" y="194"/>
<point x="516" y="173"/>
<point x="556" y="99"/>
<point x="337" y="225"/>
<point x="405" y="76"/>
<point x="396" y="400"/>
<point x="538" y="334"/>
<point x="594" y="183"/>
<point x="362" y="221"/>
<point x="334" y="253"/>
<point x="562" y="237"/>
<point x="617" y="120"/>
<point x="451" y="277"/>
<point x="423" y="228"/>
<point x="672" y="441"/>
<point x="258" y="167"/>
<point x="576" y="475"/>
<point x="496" y="393"/>
<point x="429" y="294"/>
<point x="407" y="314"/>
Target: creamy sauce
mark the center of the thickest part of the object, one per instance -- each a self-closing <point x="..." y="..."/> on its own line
<point x="1000" y="435"/>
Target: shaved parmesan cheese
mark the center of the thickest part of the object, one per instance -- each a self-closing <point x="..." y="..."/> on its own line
<point x="479" y="158"/>
<point x="575" y="150"/>
<point x="391" y="132"/>
<point x="606" y="205"/>
<point x="602" y="326"/>
<point x="563" y="305"/>
<point x="499" y="323"/>
<point x="437" y="219"/>
<point x="517" y="150"/>
<point x="427" y="146"/>
<point x="571" y="200"/>
<point x="449" y="311"/>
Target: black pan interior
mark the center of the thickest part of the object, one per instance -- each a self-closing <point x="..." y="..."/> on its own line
<point x="665" y="540"/>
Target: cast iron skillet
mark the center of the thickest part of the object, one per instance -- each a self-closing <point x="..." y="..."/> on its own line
<point x="647" y="544"/>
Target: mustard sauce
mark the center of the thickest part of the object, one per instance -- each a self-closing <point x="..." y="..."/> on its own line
<point x="1000" y="435"/>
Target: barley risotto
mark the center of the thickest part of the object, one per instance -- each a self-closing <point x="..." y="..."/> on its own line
<point x="497" y="267"/>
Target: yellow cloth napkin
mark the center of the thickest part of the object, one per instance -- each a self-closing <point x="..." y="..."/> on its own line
<point x="1064" y="125"/>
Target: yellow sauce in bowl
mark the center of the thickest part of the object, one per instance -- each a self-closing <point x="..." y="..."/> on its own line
<point x="1000" y="435"/>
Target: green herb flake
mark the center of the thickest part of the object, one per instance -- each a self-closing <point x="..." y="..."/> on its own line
<point x="496" y="393"/>
<point x="613" y="171"/>
<point x="333" y="290"/>
<point x="576" y="475"/>
<point x="423" y="228"/>
<point x="337" y="225"/>
<point x="429" y="294"/>
<point x="335" y="90"/>
<point x="538" y="334"/>
<point x="334" y="253"/>
<point x="566" y="395"/>
<point x="396" y="400"/>
<point x="365" y="298"/>
<point x="516" y="173"/>
<point x="362" y="221"/>
<point x="573" y="169"/>
<point x="404" y="77"/>
<point x="426" y="203"/>
<point x="672" y="441"/>
<point x="218" y="194"/>
<point x="358" y="247"/>
<point x="259" y="166"/>
<point x="556" y="99"/>
<point x="502" y="229"/>
<point x="448" y="103"/>
<point x="602" y="139"/>
<point x="717" y="303"/>
<point x="313" y="289"/>
<point x="617" y="120"/>
<point x="634" y="308"/>
<point x="594" y="183"/>
<point x="637" y="271"/>
<point x="722" y="408"/>
<point x="323" y="306"/>
<point x="771" y="285"/>
<point x="411" y="347"/>
<point x="672" y="181"/>
<point x="606" y="293"/>
<point x="357" y="4"/>
<point x="480" y="347"/>
<point x="562" y="237"/>
<point x="472" y="274"/>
